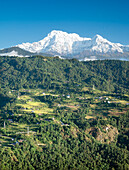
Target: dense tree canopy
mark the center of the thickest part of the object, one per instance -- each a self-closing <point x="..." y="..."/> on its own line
<point x="50" y="72"/>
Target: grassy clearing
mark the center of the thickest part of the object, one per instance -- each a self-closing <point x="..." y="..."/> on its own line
<point x="24" y="97"/>
<point x="98" y="91"/>
<point x="121" y="101"/>
<point x="116" y="112"/>
<point x="93" y="105"/>
<point x="72" y="107"/>
<point x="88" y="96"/>
<point x="25" y="106"/>
<point x="39" y="104"/>
<point x="89" y="117"/>
<point x="85" y="89"/>
<point x="44" y="111"/>
<point x="20" y="125"/>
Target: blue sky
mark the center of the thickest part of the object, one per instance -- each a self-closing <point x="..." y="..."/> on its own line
<point x="31" y="20"/>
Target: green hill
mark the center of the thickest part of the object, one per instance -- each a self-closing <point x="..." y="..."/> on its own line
<point x="63" y="114"/>
<point x="49" y="72"/>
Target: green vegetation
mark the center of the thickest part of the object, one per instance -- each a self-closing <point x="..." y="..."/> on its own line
<point x="63" y="114"/>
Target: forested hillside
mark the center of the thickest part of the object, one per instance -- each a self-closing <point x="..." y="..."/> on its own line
<point x="41" y="72"/>
<point x="63" y="114"/>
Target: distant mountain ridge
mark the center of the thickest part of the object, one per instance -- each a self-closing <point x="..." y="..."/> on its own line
<point x="73" y="46"/>
<point x="15" y="51"/>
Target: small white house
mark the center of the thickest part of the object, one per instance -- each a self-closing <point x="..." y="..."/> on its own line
<point x="68" y="96"/>
<point x="107" y="128"/>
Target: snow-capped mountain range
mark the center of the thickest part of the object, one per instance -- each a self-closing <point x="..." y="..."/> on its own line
<point x="73" y="46"/>
<point x="59" y="42"/>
